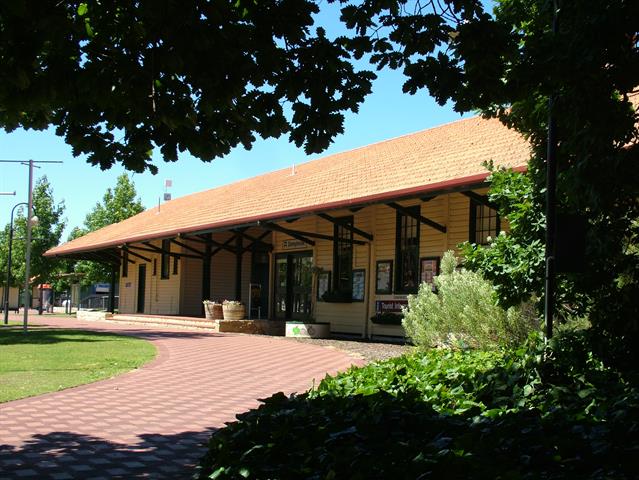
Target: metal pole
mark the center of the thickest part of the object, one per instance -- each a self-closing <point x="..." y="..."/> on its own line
<point x="6" y="286"/>
<point x="551" y="207"/>
<point x="112" y="291"/>
<point x="206" y="271"/>
<point x="28" y="254"/>
<point x="6" y="289"/>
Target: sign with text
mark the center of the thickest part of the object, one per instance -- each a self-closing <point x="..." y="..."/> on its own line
<point x="390" y="306"/>
<point x="293" y="244"/>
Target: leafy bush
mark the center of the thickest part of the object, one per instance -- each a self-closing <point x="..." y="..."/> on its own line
<point x="523" y="414"/>
<point x="463" y="312"/>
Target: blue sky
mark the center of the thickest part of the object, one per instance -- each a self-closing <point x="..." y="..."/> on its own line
<point x="386" y="113"/>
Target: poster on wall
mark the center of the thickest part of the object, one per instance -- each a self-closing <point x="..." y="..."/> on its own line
<point x="384" y="277"/>
<point x="359" y="283"/>
<point x="429" y="267"/>
<point x="323" y="283"/>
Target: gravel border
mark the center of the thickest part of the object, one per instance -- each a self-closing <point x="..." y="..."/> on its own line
<point x="368" y="350"/>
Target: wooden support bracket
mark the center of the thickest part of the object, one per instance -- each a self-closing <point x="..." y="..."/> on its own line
<point x="419" y="218"/>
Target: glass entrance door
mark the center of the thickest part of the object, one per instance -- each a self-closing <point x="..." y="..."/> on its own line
<point x="293" y="285"/>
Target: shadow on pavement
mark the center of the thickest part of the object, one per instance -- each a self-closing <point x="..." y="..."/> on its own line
<point x="67" y="455"/>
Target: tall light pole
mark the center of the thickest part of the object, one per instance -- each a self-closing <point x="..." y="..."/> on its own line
<point x="27" y="267"/>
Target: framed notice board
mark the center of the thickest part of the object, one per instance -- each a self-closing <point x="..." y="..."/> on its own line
<point x="384" y="277"/>
<point x="359" y="284"/>
<point x="428" y="269"/>
<point x="323" y="283"/>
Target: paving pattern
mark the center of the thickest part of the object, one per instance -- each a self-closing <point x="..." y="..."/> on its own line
<point x="153" y="422"/>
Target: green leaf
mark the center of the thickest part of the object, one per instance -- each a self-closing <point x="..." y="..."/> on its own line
<point x="217" y="473"/>
<point x="87" y="26"/>
<point x="83" y="8"/>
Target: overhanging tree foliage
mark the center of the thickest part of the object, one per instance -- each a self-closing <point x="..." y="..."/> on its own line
<point x="118" y="78"/>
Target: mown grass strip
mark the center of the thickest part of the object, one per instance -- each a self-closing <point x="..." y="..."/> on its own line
<point x="46" y="360"/>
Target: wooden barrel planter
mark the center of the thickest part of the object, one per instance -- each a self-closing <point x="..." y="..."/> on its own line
<point x="233" y="311"/>
<point x="213" y="311"/>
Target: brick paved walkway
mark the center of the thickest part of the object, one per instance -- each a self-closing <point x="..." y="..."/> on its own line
<point x="152" y="422"/>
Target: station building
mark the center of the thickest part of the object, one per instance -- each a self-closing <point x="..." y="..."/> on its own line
<point x="338" y="240"/>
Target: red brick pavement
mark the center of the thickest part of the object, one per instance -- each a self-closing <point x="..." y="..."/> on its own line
<point x="153" y="422"/>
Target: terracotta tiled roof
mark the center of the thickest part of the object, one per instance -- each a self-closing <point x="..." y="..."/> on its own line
<point x="435" y="159"/>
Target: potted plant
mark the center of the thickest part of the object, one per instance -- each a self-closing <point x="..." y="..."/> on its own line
<point x="233" y="310"/>
<point x="213" y="310"/>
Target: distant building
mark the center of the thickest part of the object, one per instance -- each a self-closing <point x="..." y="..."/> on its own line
<point x="14" y="298"/>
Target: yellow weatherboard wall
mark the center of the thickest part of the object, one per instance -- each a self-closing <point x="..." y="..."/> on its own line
<point x="181" y="294"/>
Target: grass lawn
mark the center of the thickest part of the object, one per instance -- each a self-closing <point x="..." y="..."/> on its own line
<point x="46" y="360"/>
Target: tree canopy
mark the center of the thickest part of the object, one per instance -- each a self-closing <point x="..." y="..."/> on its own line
<point x="119" y="78"/>
<point x="45" y="234"/>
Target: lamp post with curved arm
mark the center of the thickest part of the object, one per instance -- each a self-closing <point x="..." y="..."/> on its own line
<point x="6" y="288"/>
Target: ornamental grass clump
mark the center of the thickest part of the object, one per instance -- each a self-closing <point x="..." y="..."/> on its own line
<point x="463" y="313"/>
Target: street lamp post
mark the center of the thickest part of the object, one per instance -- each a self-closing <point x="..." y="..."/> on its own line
<point x="6" y="287"/>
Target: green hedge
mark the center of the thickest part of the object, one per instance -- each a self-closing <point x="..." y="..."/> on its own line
<point x="507" y="415"/>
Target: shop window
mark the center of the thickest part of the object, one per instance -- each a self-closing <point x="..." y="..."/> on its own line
<point x="407" y="252"/>
<point x="166" y="259"/>
<point x="484" y="222"/>
<point x="343" y="255"/>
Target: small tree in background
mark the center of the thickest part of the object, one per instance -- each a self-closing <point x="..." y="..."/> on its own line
<point x="117" y="205"/>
